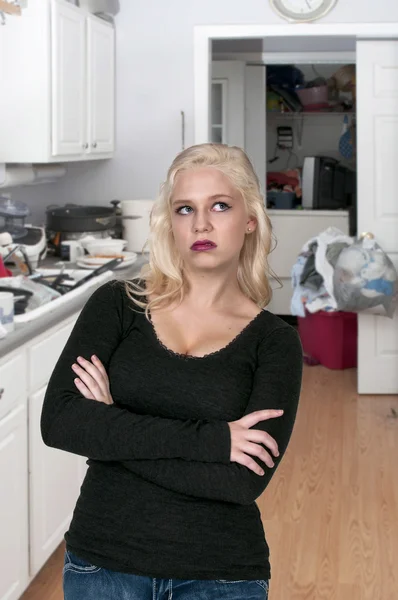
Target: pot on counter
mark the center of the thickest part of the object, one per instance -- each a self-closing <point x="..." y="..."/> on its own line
<point x="73" y="218"/>
<point x="73" y="222"/>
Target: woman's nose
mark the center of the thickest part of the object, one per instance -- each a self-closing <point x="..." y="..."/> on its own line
<point x="201" y="223"/>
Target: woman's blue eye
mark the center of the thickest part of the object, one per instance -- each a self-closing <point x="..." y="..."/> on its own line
<point x="186" y="210"/>
<point x="183" y="208"/>
<point x="224" y="206"/>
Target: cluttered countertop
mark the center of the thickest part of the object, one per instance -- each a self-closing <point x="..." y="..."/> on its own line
<point x="48" y="272"/>
<point x="24" y="332"/>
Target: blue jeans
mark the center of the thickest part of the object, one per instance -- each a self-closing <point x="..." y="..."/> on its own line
<point x="84" y="581"/>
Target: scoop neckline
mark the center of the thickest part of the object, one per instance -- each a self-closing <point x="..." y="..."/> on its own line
<point x="217" y="352"/>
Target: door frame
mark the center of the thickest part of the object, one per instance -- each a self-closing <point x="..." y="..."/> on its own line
<point x="204" y="34"/>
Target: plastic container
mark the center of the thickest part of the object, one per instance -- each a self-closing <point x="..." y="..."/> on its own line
<point x="281" y="200"/>
<point x="14" y="214"/>
<point x="313" y="97"/>
<point x="135" y="219"/>
<point x="331" y="338"/>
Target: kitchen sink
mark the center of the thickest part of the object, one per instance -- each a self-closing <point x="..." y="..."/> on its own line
<point x="55" y="304"/>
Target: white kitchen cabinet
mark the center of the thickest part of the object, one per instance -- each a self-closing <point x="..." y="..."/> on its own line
<point x="68" y="77"/>
<point x="100" y="87"/>
<point x="59" y="104"/>
<point x="14" y="550"/>
<point x="12" y="382"/>
<point x="55" y="478"/>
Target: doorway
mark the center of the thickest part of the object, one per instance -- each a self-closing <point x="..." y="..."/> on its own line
<point x="377" y="97"/>
<point x="278" y="133"/>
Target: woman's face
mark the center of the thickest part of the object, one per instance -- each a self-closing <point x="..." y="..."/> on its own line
<point x="209" y="218"/>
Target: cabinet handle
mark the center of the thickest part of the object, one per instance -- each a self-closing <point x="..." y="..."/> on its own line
<point x="1" y="393"/>
<point x="94" y="144"/>
<point x="85" y="146"/>
<point x="182" y="130"/>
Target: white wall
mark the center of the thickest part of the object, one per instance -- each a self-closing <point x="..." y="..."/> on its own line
<point x="155" y="82"/>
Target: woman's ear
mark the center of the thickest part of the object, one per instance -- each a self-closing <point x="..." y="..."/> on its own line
<point x="251" y="225"/>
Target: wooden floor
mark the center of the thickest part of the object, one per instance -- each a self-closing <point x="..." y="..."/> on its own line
<point x="331" y="512"/>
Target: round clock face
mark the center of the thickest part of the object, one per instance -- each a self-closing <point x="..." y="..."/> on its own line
<point x="302" y="10"/>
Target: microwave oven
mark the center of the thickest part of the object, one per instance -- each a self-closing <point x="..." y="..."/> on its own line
<point x="326" y="184"/>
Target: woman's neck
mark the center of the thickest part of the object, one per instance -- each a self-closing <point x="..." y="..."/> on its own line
<point x="210" y="289"/>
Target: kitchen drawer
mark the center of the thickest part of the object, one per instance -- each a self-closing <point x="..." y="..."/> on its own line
<point x="43" y="355"/>
<point x="12" y="382"/>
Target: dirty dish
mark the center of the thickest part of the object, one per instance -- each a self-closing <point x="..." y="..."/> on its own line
<point x="92" y="262"/>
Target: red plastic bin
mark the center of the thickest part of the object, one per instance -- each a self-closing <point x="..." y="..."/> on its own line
<point x="331" y="338"/>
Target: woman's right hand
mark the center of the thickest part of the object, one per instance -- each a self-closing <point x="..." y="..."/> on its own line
<point x="246" y="441"/>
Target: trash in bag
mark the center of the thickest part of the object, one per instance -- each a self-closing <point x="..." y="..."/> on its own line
<point x="309" y="292"/>
<point x="365" y="279"/>
<point x="335" y="272"/>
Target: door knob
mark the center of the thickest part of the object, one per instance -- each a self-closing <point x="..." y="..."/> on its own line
<point x="85" y="146"/>
<point x="94" y="144"/>
<point x="1" y="393"/>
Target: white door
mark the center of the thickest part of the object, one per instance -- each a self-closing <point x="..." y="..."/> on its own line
<point x="377" y="130"/>
<point x="68" y="80"/>
<point x="54" y="483"/>
<point x="13" y="504"/>
<point x="229" y="79"/>
<point x="101" y="86"/>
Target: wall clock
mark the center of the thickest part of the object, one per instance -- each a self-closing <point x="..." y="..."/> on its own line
<point x="302" y="11"/>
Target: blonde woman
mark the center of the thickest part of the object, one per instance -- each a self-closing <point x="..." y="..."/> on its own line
<point x="182" y="391"/>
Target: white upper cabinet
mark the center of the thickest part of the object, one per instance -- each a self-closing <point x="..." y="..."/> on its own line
<point x="68" y="76"/>
<point x="60" y="84"/>
<point x="100" y="87"/>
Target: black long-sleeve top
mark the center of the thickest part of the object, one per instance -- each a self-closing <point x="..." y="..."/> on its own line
<point x="161" y="497"/>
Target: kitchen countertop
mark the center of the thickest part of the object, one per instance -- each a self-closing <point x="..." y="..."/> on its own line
<point x="27" y="331"/>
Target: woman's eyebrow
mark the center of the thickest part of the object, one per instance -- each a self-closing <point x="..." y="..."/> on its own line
<point x="214" y="197"/>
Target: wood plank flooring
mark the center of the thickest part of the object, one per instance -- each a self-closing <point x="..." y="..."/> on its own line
<point x="331" y="512"/>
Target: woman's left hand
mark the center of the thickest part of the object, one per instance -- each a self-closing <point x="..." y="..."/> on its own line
<point x="92" y="380"/>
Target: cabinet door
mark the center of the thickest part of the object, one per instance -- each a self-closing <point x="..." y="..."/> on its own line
<point x="101" y="86"/>
<point x="13" y="504"/>
<point x="12" y="382"/>
<point x="68" y="79"/>
<point x="54" y="483"/>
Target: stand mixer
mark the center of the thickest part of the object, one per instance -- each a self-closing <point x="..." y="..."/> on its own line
<point x="14" y="232"/>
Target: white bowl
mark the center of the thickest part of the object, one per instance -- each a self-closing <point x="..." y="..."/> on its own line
<point x="106" y="247"/>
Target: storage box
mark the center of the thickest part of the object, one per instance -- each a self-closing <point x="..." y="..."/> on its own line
<point x="331" y="338"/>
<point x="281" y="200"/>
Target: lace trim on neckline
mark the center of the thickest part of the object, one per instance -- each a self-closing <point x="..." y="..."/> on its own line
<point x="176" y="354"/>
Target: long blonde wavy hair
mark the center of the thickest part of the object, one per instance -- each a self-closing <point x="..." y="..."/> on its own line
<point x="163" y="277"/>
